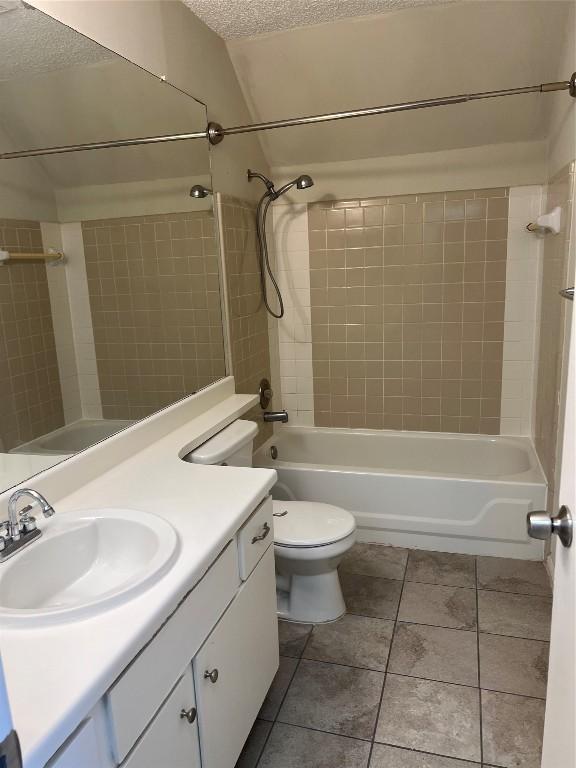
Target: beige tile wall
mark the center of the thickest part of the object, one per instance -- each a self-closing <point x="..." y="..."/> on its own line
<point x="30" y="396"/>
<point x="155" y="301"/>
<point x="557" y="273"/>
<point x="249" y="341"/>
<point x="407" y="298"/>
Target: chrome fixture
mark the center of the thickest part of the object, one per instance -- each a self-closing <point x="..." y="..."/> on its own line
<point x="215" y="133"/>
<point x="302" y="182"/>
<point x="188" y="714"/>
<point x="198" y="192"/>
<point x="20" y="529"/>
<point x="270" y="416"/>
<point x="567" y="293"/>
<point x="211" y="675"/>
<point x="541" y="525"/>
<point x="261" y="536"/>
<point x="265" y="393"/>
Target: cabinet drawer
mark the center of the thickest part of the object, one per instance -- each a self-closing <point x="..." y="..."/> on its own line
<point x="170" y="740"/>
<point x="139" y="692"/>
<point x="242" y="656"/>
<point x="255" y="537"/>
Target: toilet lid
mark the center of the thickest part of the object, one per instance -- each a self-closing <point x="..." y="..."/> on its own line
<point x="310" y="524"/>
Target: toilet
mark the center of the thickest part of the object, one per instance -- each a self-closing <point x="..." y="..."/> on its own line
<point x="310" y="538"/>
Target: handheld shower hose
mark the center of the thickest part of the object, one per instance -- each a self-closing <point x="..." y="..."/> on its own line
<point x="271" y="194"/>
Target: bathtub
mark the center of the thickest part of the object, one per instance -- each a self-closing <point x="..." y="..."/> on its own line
<point x="73" y="437"/>
<point x="446" y="492"/>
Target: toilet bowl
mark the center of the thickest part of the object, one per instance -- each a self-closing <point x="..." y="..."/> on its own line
<point x="310" y="539"/>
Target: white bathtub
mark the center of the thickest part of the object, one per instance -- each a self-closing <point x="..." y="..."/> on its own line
<point x="73" y="437"/>
<point x="454" y="493"/>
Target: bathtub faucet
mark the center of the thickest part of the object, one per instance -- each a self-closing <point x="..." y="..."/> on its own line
<point x="275" y="416"/>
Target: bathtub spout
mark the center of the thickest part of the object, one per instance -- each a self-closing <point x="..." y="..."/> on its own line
<point x="275" y="416"/>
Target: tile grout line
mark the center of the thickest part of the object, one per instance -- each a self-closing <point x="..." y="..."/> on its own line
<point x="464" y="760"/>
<point x="452" y="586"/>
<point x="275" y="720"/>
<point x="387" y="663"/>
<point x="478" y="661"/>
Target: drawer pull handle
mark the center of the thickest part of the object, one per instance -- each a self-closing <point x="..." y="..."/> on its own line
<point x="188" y="714"/>
<point x="261" y="536"/>
<point x="212" y="676"/>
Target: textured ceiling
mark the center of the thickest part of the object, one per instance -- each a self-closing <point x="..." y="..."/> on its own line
<point x="243" y="18"/>
<point x="58" y="87"/>
<point x="32" y="43"/>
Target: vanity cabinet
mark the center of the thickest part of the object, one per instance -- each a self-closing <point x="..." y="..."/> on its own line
<point x="190" y="697"/>
<point x="235" y="667"/>
<point x="172" y="737"/>
<point x="138" y="693"/>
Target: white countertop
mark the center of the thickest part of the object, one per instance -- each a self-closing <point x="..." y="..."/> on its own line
<point x="56" y="674"/>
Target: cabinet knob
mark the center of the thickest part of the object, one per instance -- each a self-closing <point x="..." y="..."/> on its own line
<point x="188" y="714"/>
<point x="212" y="675"/>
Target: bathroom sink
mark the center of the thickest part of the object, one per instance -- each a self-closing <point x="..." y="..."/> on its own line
<point x="83" y="564"/>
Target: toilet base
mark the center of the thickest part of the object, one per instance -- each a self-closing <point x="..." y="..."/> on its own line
<point x="311" y="599"/>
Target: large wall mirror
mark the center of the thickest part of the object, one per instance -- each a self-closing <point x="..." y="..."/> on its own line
<point x="129" y="320"/>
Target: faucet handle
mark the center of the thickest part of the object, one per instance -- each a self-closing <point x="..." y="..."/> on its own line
<point x="27" y="521"/>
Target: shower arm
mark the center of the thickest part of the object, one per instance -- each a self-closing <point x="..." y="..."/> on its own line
<point x="215" y="133"/>
<point x="285" y="188"/>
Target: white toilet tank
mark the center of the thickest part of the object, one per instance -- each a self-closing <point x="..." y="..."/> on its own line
<point x="232" y="446"/>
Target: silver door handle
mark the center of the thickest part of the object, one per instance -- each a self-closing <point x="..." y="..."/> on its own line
<point x="567" y="293"/>
<point x="541" y="525"/>
<point x="261" y="536"/>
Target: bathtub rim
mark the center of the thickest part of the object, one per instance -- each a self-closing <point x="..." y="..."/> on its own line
<point x="32" y="447"/>
<point x="522" y="441"/>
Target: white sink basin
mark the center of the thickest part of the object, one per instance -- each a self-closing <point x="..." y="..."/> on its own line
<point x="83" y="564"/>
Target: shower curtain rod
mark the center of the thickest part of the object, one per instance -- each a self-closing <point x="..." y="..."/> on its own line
<point x="215" y="133"/>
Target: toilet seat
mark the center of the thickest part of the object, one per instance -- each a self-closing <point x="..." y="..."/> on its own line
<point x="310" y="524"/>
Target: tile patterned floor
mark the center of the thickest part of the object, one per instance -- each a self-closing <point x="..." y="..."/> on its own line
<point x="441" y="662"/>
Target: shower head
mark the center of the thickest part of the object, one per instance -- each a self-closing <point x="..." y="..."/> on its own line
<point x="304" y="182"/>
<point x="198" y="192"/>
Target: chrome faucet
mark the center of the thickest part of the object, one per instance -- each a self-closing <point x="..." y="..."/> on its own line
<point x="20" y="529"/>
<point x="269" y="416"/>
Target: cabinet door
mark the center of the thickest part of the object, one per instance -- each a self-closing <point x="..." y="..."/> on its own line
<point x="235" y="667"/>
<point x="83" y="749"/>
<point x="170" y="741"/>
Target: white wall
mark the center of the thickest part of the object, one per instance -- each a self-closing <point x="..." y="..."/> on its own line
<point x="138" y="198"/>
<point x="406" y="55"/>
<point x="561" y="130"/>
<point x="73" y="330"/>
<point x="62" y="322"/>
<point x="522" y="313"/>
<point x="167" y="39"/>
<point x="289" y="233"/>
<point x="25" y="190"/>
<point x="498" y="165"/>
